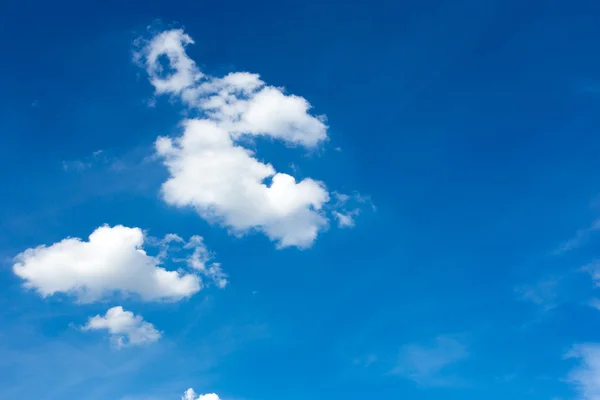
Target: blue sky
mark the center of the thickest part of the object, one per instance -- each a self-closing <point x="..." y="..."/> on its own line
<point x="312" y="200"/>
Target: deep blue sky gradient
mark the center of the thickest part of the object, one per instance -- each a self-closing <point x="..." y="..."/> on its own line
<point x="473" y="125"/>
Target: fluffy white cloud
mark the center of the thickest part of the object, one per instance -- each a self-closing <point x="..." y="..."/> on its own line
<point x="239" y="101"/>
<point x="191" y="395"/>
<point x="172" y="45"/>
<point x="586" y="376"/>
<point x="225" y="183"/>
<point x="243" y="104"/>
<point x="211" y="171"/>
<point x="111" y="261"/>
<point x="125" y="328"/>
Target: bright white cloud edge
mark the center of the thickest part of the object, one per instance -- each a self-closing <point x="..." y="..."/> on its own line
<point x="112" y="260"/>
<point x="125" y="328"/>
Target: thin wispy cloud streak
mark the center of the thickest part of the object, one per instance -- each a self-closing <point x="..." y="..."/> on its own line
<point x="430" y="364"/>
<point x="580" y="239"/>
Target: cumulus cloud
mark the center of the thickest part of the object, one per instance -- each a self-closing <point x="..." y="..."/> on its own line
<point x="191" y="395"/>
<point x="239" y="101"/>
<point x="243" y="104"/>
<point x="112" y="260"/>
<point x="586" y="375"/>
<point x="211" y="171"/>
<point x="125" y="328"/>
<point x="428" y="364"/>
<point x="225" y="183"/>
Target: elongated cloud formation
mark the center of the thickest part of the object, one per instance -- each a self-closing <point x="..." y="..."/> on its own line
<point x="191" y="395"/>
<point x="211" y="171"/>
<point x="125" y="328"/>
<point x="112" y="260"/>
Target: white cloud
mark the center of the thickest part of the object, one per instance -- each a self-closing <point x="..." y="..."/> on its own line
<point x="586" y="376"/>
<point x="365" y="361"/>
<point x="345" y="215"/>
<point x="200" y="261"/>
<point x="125" y="328"/>
<point x="97" y="159"/>
<point x="581" y="237"/>
<point x="594" y="270"/>
<point x="240" y="101"/>
<point x="594" y="303"/>
<point x="225" y="184"/>
<point x="75" y="165"/>
<point x="112" y="260"/>
<point x="191" y="395"/>
<point x="183" y="71"/>
<point x="427" y="365"/>
<point x="543" y="293"/>
<point x="212" y="172"/>
<point x="345" y="220"/>
<point x="242" y="104"/>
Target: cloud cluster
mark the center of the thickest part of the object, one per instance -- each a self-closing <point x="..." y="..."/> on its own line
<point x="239" y="102"/>
<point x="112" y="260"/>
<point x="585" y="376"/>
<point x="211" y="171"/>
<point x="125" y="328"/>
<point x="347" y="207"/>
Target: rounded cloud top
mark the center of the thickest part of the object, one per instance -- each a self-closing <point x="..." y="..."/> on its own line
<point x="112" y="260"/>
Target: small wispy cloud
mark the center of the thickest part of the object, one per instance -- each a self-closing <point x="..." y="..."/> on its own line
<point x="346" y="220"/>
<point x="75" y="165"/>
<point x="581" y="237"/>
<point x="543" y="293"/>
<point x="593" y="269"/>
<point x="594" y="303"/>
<point x="585" y="377"/>
<point x="430" y="364"/>
<point x="98" y="158"/>
<point x="365" y="361"/>
<point x="125" y="328"/>
<point x="349" y="206"/>
<point x="190" y="394"/>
